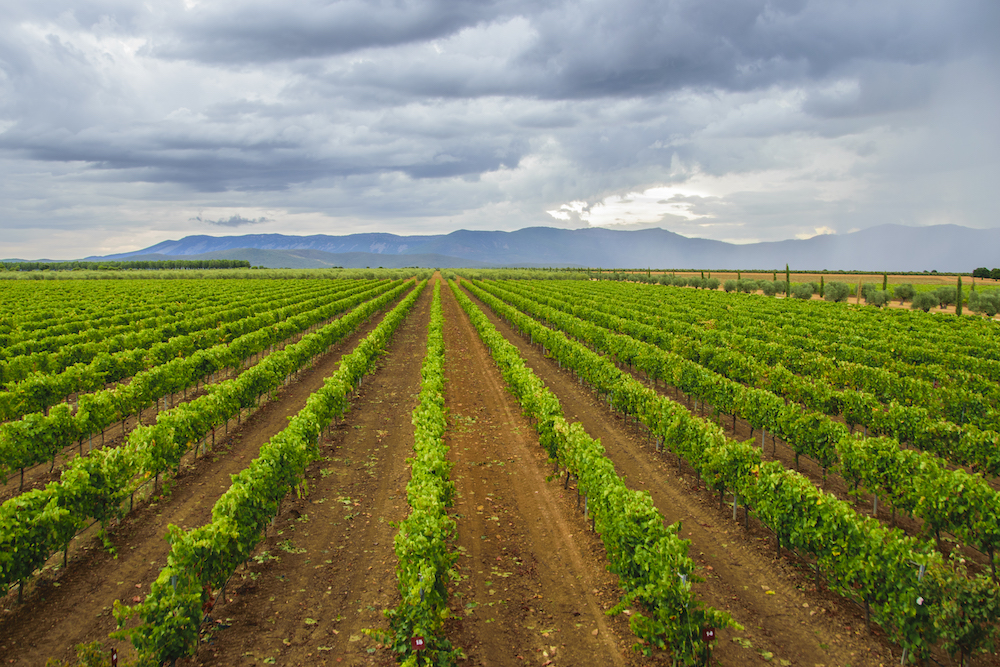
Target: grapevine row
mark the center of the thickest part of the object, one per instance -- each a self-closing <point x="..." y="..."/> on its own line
<point x="39" y="437"/>
<point x="919" y="598"/>
<point x="819" y="338"/>
<point x="948" y="408"/>
<point x="125" y="328"/>
<point x="91" y="366"/>
<point x="422" y="541"/>
<point x="202" y="559"/>
<point x="37" y="523"/>
<point x="916" y="482"/>
<point x="650" y="559"/>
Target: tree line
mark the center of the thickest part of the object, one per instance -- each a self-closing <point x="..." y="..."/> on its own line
<point x="121" y="266"/>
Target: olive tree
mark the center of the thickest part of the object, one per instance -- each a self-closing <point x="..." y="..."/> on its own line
<point x="946" y="295"/>
<point x="904" y="292"/>
<point x="837" y="292"/>
<point x="924" y="301"/>
<point x="803" y="291"/>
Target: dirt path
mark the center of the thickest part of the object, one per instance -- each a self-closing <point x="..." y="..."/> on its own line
<point x="72" y="606"/>
<point x="532" y="586"/>
<point x="774" y="599"/>
<point x="327" y="568"/>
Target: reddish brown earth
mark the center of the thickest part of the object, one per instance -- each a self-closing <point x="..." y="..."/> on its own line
<point x="776" y="600"/>
<point x="67" y="606"/>
<point x="531" y="585"/>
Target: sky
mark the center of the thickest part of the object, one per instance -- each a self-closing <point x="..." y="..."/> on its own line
<point x="125" y="123"/>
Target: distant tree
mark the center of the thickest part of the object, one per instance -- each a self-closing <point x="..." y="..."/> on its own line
<point x="822" y="286"/>
<point x="803" y="291"/>
<point x="837" y="292"/>
<point x="981" y="272"/>
<point x="958" y="302"/>
<point x="711" y="283"/>
<point x="995" y="274"/>
<point x="879" y="298"/>
<point x="868" y="290"/>
<point x="946" y="295"/>
<point x="924" y="301"/>
<point x="729" y="285"/>
<point x="987" y="302"/>
<point x="904" y="292"/>
<point x="788" y="280"/>
<point x="885" y="281"/>
<point x="768" y="287"/>
<point x="746" y="286"/>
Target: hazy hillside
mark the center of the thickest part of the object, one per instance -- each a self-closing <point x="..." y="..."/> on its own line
<point x="945" y="248"/>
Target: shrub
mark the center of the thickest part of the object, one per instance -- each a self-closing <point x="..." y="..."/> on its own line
<point x="767" y="287"/>
<point x="711" y="283"/>
<point x="729" y="285"/>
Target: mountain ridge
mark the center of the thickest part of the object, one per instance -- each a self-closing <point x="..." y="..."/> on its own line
<point x="944" y="248"/>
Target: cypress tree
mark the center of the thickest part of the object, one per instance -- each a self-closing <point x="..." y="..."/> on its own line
<point x="885" y="281"/>
<point x="958" y="298"/>
<point x="788" y="281"/>
<point x="822" y="284"/>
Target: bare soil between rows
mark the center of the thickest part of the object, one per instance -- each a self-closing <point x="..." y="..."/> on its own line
<point x="531" y="584"/>
<point x="776" y="600"/>
<point x="68" y="606"/>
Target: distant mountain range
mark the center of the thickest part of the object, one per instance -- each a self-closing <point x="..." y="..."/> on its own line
<point x="943" y="248"/>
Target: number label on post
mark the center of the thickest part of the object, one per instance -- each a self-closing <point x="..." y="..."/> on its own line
<point x="418" y="643"/>
<point x="707" y="635"/>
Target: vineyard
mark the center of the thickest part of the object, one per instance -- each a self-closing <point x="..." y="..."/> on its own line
<point x="439" y="470"/>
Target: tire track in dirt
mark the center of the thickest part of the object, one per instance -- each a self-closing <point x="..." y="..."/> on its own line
<point x="532" y="585"/>
<point x="326" y="570"/>
<point x="770" y="598"/>
<point x="74" y="606"/>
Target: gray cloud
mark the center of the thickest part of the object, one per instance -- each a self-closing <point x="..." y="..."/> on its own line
<point x="235" y="220"/>
<point x="432" y="115"/>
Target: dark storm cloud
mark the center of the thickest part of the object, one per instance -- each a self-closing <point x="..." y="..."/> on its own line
<point x="644" y="47"/>
<point x="499" y="110"/>
<point x="259" y="31"/>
